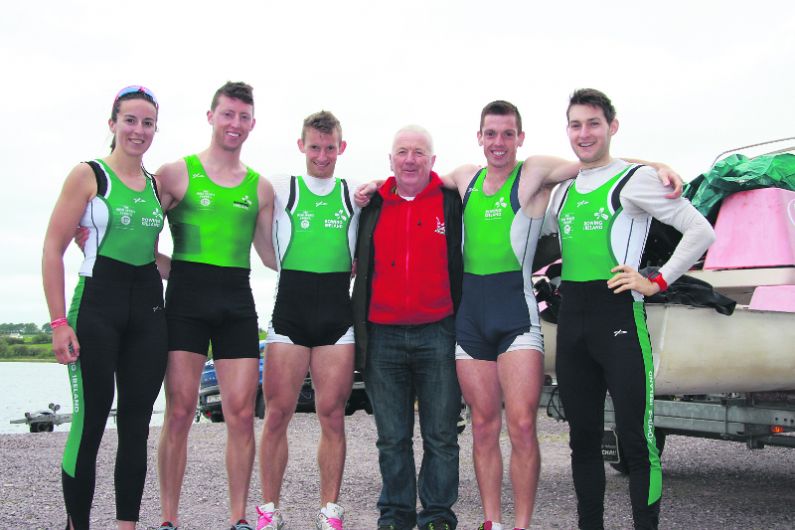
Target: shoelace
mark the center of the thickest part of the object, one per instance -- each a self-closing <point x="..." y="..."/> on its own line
<point x="265" y="519"/>
<point x="334" y="523"/>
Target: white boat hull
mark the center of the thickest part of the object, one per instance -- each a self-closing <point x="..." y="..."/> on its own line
<point x="699" y="351"/>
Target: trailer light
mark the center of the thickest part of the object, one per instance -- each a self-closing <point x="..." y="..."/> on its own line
<point x="776" y="429"/>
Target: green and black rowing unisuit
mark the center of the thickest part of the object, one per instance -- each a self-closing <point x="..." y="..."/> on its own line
<point x="314" y="236"/>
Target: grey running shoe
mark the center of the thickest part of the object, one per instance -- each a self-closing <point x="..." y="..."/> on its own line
<point x="165" y="525"/>
<point x="242" y="524"/>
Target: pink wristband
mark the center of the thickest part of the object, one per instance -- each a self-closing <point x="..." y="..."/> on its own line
<point x="659" y="280"/>
<point x="58" y="322"/>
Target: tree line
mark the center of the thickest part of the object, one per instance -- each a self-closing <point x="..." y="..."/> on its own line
<point x="27" y="328"/>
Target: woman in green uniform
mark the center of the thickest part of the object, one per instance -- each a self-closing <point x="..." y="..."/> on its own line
<point x="114" y="333"/>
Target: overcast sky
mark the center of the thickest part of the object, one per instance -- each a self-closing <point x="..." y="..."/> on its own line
<point x="688" y="79"/>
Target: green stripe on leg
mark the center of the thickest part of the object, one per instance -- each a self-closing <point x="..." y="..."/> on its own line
<point x="655" y="471"/>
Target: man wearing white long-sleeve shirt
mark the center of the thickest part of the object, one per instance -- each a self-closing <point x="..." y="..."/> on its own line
<point x="314" y="235"/>
<point x="603" y="218"/>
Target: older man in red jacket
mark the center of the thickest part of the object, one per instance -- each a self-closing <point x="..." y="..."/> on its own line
<point x="407" y="289"/>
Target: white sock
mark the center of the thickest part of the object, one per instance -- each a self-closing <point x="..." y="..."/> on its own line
<point x="268" y="507"/>
<point x="496" y="526"/>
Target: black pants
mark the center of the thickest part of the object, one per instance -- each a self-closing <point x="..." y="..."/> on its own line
<point x="120" y="324"/>
<point x="603" y="344"/>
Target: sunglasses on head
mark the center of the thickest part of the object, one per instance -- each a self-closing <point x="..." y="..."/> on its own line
<point x="133" y="89"/>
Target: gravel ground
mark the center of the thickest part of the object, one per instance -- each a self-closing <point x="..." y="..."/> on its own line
<point x="708" y="484"/>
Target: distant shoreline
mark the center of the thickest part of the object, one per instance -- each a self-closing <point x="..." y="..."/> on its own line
<point x="27" y="360"/>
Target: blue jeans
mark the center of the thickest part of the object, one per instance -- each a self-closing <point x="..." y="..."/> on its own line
<point x="404" y="363"/>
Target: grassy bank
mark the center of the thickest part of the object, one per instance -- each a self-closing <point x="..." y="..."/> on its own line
<point x="26" y="352"/>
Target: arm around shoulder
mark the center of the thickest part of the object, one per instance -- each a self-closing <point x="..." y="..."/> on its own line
<point x="460" y="177"/>
<point x="668" y="177"/>
<point x="172" y="181"/>
<point x="551" y="170"/>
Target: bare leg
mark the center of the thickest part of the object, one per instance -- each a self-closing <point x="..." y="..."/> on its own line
<point x="182" y="386"/>
<point x="286" y="366"/>
<point x="480" y="387"/>
<point x="238" y="379"/>
<point x="521" y="377"/>
<point x="332" y="375"/>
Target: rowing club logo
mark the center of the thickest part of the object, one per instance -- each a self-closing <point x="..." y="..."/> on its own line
<point x="496" y="211"/>
<point x="339" y="220"/>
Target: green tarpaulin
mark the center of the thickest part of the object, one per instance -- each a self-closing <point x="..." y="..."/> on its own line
<point x="739" y="173"/>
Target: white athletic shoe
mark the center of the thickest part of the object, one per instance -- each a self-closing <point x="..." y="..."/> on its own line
<point x="269" y="518"/>
<point x="329" y="517"/>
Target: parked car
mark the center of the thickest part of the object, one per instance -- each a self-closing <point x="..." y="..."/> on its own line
<point x="209" y="404"/>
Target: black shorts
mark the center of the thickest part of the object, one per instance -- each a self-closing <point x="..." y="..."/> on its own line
<point x="312" y="309"/>
<point x="207" y="305"/>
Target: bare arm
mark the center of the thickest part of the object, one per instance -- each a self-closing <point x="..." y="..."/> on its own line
<point x="163" y="178"/>
<point x="361" y="197"/>
<point x="263" y="235"/>
<point x="162" y="262"/>
<point x="552" y="170"/>
<point x="79" y="188"/>
<point x="172" y="181"/>
<point x="460" y="177"/>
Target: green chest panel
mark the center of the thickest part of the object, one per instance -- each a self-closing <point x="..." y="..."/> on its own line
<point x="319" y="230"/>
<point x="487" y="226"/>
<point x="585" y="222"/>
<point x="134" y="220"/>
<point x="215" y="224"/>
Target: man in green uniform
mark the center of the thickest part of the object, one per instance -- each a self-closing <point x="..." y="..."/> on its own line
<point x="314" y="234"/>
<point x="499" y="353"/>
<point x="216" y="207"/>
<point x="603" y="217"/>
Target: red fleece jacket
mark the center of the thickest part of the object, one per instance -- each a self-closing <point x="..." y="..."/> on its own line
<point x="411" y="282"/>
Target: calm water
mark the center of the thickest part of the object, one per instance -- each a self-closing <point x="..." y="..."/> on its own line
<point x="28" y="387"/>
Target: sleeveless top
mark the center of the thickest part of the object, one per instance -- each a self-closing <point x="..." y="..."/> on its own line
<point x="215" y="224"/>
<point x="497" y="234"/>
<point x="123" y="224"/>
<point x="318" y="236"/>
<point x="594" y="235"/>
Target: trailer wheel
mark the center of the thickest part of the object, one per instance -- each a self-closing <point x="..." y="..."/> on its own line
<point x="621" y="467"/>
